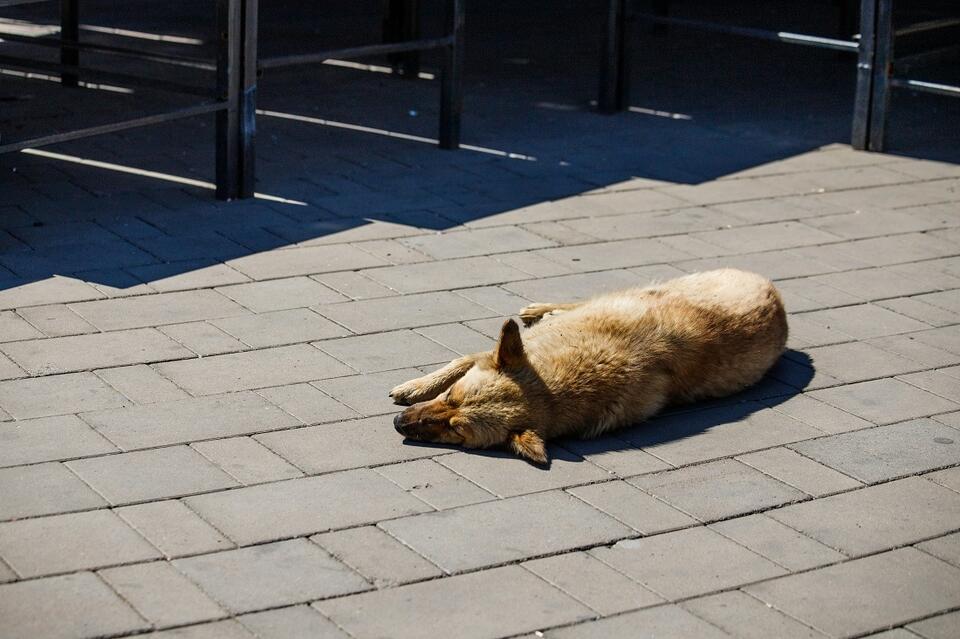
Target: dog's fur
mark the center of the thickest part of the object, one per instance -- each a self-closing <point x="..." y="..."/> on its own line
<point x="584" y="369"/>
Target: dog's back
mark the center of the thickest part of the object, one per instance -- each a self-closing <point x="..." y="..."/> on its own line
<point x="703" y="335"/>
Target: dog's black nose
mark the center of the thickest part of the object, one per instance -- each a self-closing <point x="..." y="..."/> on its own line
<point x="396" y="424"/>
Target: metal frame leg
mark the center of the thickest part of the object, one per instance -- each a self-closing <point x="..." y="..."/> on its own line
<point x="247" y="100"/>
<point x="614" y="89"/>
<point x="866" y="53"/>
<point x="69" y="30"/>
<point x="882" y="67"/>
<point x="228" y="26"/>
<point x="402" y="24"/>
<point x="451" y="80"/>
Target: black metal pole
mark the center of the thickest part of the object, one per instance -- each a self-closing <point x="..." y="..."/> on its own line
<point x="247" y="101"/>
<point x="70" y="31"/>
<point x="402" y="24"/>
<point x="228" y="42"/>
<point x="451" y="81"/>
<point x="866" y="52"/>
<point x="883" y="61"/>
<point x="614" y="89"/>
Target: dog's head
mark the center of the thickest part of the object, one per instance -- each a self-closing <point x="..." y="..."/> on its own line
<point x="493" y="404"/>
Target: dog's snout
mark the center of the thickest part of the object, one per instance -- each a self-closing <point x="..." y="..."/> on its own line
<point x="397" y="423"/>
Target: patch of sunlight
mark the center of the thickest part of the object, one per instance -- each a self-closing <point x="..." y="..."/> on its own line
<point x="56" y="78"/>
<point x="150" y="174"/>
<point x="660" y="114"/>
<point x="390" y="134"/>
<point x="372" y="68"/>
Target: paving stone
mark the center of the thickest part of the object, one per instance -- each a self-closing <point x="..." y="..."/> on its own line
<point x="662" y="622"/>
<point x="9" y="370"/>
<point x="378" y="557"/>
<point x="367" y="394"/>
<point x="173" y="528"/>
<point x="6" y="574"/>
<point x="612" y="255"/>
<point x="723" y="431"/>
<point x="895" y="633"/>
<point x="949" y="478"/>
<point x="495" y="298"/>
<point x="54" y="290"/>
<point x="809" y="294"/>
<point x="877" y="517"/>
<point x="60" y="607"/>
<point x="270" y="575"/>
<point x="436" y="276"/>
<point x="385" y="351"/>
<point x="161" y="595"/>
<point x="897" y="249"/>
<point x="865" y="321"/>
<point x="942" y="299"/>
<point x="635" y="508"/>
<point x="13" y="328"/>
<point x="75" y="541"/>
<point x="820" y="415"/>
<point x="48" y="439"/>
<point x="275" y="328"/>
<point x="155" y="310"/>
<point x="204" y="339"/>
<point x="458" y="338"/>
<point x="101" y="350"/>
<point x="856" y="361"/>
<point x="799" y="471"/>
<point x="741" y="615"/>
<point x="354" y="285"/>
<point x="330" y="447"/>
<point x="887" y="452"/>
<point x="946" y="548"/>
<point x="522" y="601"/>
<point x="307" y="403"/>
<point x="945" y="338"/>
<point x="244" y="459"/>
<point x="253" y="369"/>
<point x="506" y="475"/>
<point x="939" y="627"/>
<point x="304" y="506"/>
<point x="184" y="276"/>
<point x="150" y="474"/>
<point x="304" y="261"/>
<point x="295" y="622"/>
<point x="868" y="594"/>
<point x="439" y="538"/>
<point x="652" y="224"/>
<point x="533" y="264"/>
<point x="276" y="295"/>
<point x="57" y="395"/>
<point x="409" y="311"/>
<point x="434" y="484"/>
<point x="912" y="348"/>
<point x="615" y="456"/>
<point x="875" y="284"/>
<point x="936" y="382"/>
<point x="392" y="251"/>
<point x="717" y="490"/>
<point x="43" y="489"/>
<point x="189" y="420"/>
<point x="687" y="562"/>
<point x="777" y="542"/>
<point x="141" y="384"/>
<point x="805" y="333"/>
<point x="592" y="583"/>
<point x="885" y="401"/>
<point x="503" y="239"/>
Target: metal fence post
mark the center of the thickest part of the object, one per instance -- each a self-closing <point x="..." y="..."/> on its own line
<point x="865" y="60"/>
<point x="69" y="30"/>
<point x="614" y="89"/>
<point x="247" y="100"/>
<point x="882" y="63"/>
<point x="451" y="82"/>
<point x="228" y="41"/>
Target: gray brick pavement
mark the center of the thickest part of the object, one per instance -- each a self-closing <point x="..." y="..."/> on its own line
<point x="195" y="435"/>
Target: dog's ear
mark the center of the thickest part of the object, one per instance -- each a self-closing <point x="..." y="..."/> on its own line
<point x="530" y="445"/>
<point x="509" y="351"/>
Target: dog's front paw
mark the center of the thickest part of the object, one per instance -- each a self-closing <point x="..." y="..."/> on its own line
<point x="533" y="313"/>
<point x="409" y="392"/>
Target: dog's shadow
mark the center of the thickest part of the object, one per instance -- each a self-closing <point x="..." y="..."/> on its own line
<point x="788" y="378"/>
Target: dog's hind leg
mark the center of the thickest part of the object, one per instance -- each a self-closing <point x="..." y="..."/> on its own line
<point x="429" y="386"/>
<point x="533" y="313"/>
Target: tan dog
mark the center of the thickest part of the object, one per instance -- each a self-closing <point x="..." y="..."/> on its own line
<point x="611" y="361"/>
